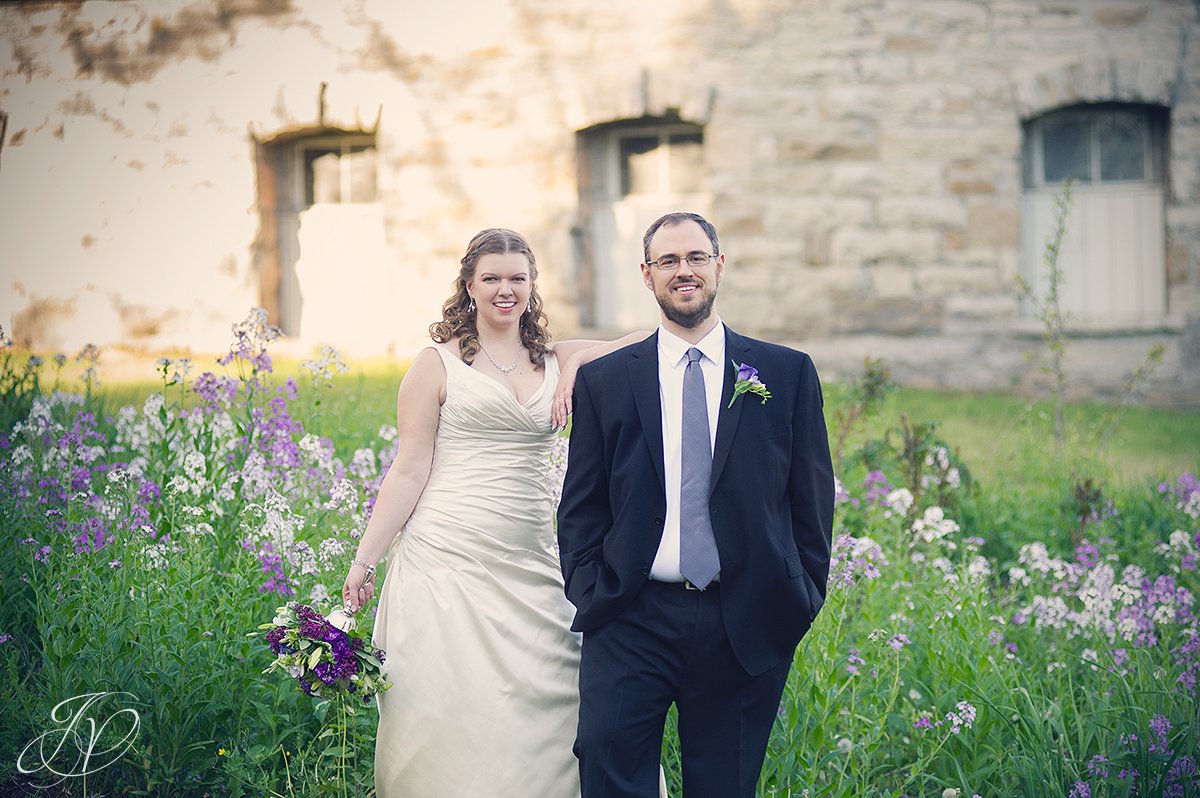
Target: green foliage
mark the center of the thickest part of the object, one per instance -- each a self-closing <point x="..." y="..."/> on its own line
<point x="924" y="612"/>
<point x="863" y="399"/>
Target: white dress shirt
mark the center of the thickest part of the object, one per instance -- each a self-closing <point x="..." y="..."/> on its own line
<point x="672" y="361"/>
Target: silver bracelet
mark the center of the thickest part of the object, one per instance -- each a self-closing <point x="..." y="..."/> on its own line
<point x="368" y="567"/>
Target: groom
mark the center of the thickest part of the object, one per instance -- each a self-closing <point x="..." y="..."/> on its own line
<point x="694" y="531"/>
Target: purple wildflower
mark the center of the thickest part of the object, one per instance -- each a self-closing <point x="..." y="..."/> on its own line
<point x="1097" y="766"/>
<point x="1183" y="768"/>
<point x="1087" y="555"/>
<point x="1159" y="727"/>
<point x="272" y="565"/>
<point x="876" y="488"/>
<point x="1187" y="660"/>
<point x="853" y="661"/>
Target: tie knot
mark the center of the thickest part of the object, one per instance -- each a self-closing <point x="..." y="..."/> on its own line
<point x="694" y="355"/>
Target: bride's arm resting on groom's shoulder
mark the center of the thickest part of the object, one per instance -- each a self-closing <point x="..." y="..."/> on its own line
<point x="418" y="405"/>
<point x="573" y="354"/>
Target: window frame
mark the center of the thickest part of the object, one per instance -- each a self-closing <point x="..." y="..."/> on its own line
<point x="663" y="131"/>
<point x="1154" y="125"/>
<point x="1097" y="311"/>
<point x="345" y="144"/>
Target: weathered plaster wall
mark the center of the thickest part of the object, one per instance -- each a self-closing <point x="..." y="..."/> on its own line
<point x="863" y="156"/>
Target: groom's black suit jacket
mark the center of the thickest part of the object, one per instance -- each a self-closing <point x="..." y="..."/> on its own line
<point x="771" y="502"/>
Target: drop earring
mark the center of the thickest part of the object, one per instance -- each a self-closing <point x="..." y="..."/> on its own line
<point x="471" y="305"/>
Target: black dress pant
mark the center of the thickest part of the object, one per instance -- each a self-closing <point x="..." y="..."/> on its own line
<point x="669" y="645"/>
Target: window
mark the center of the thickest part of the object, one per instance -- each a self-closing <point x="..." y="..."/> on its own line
<point x="1113" y="253"/>
<point x="1096" y="145"/>
<point x="335" y="170"/>
<point x="661" y="162"/>
<point x="631" y="173"/>
<point x="312" y="181"/>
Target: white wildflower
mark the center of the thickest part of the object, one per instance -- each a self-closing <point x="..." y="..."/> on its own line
<point x="362" y="464"/>
<point x="933" y="525"/>
<point x="898" y="502"/>
<point x="330" y="551"/>
<point x="194" y="466"/>
<point x="319" y="595"/>
<point x="979" y="569"/>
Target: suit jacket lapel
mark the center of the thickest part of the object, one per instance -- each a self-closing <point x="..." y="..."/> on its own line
<point x="736" y="350"/>
<point x="643" y="378"/>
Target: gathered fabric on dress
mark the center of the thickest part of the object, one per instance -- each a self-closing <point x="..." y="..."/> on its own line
<point x="483" y="665"/>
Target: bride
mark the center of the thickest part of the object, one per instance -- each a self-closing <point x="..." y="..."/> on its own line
<point x="472" y="613"/>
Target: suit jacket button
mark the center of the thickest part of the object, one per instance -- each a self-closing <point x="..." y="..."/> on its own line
<point x="645" y="572"/>
<point x="658" y="520"/>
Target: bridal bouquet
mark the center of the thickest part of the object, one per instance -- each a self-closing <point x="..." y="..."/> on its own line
<point x="327" y="657"/>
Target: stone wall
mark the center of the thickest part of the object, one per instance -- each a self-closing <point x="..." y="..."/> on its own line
<point x="864" y="162"/>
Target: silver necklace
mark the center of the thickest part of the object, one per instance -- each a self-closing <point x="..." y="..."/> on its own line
<point x="505" y="370"/>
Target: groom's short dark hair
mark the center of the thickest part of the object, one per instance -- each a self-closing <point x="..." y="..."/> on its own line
<point x="678" y="217"/>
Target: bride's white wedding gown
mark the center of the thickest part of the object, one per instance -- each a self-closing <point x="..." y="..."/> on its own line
<point x="472" y="614"/>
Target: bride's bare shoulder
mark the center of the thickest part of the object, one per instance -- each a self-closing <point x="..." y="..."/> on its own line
<point x="426" y="377"/>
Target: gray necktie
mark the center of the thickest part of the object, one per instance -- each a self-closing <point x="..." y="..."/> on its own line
<point x="698" y="561"/>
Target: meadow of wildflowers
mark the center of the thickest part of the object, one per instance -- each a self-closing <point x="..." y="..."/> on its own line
<point x="956" y="655"/>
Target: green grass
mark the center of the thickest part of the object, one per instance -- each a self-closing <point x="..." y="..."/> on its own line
<point x="1003" y="438"/>
<point x="998" y="434"/>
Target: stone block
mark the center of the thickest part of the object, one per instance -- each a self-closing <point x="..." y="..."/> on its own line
<point x="859" y="101"/>
<point x="822" y="212"/>
<point x="949" y="15"/>
<point x="992" y="306"/>
<point x="1179" y="261"/>
<point x="850" y="141"/>
<point x="909" y="211"/>
<point x="816" y="244"/>
<point x="1185" y="180"/>
<point x="890" y="281"/>
<point x="909" y="43"/>
<point x="994" y="226"/>
<point x="904" y="316"/>
<point x="946" y="142"/>
<point x="971" y="177"/>
<point x="875" y="178"/>
<point x="1118" y="16"/>
<point x="1139" y="76"/>
<point x="945" y="280"/>
<point x="742" y="222"/>
<point x="886" y="68"/>
<point x="866" y="246"/>
<point x="954" y="240"/>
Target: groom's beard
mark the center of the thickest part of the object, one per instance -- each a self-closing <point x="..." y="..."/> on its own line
<point x="691" y="317"/>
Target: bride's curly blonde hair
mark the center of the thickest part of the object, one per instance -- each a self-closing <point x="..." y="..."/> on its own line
<point x="458" y="316"/>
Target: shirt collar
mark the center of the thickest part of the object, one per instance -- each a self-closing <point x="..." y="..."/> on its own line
<point x="672" y="348"/>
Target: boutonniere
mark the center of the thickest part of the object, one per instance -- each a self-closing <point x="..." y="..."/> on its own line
<point x="748" y="382"/>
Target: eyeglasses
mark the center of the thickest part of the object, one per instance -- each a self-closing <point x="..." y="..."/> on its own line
<point x="696" y="260"/>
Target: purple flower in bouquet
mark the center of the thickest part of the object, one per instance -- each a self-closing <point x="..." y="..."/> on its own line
<point x="326" y="661"/>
